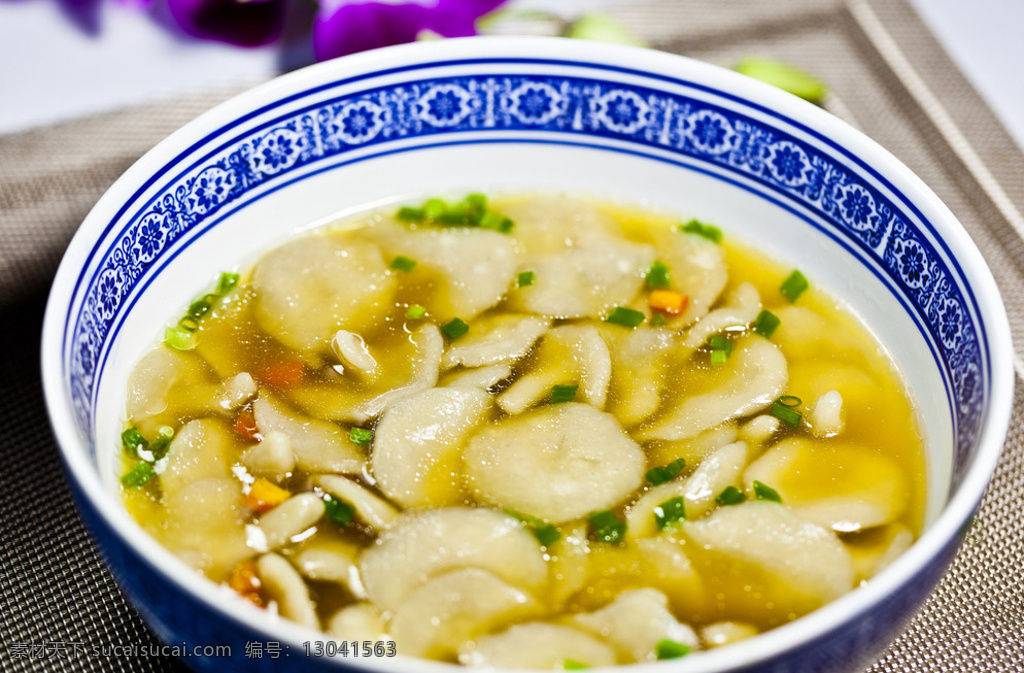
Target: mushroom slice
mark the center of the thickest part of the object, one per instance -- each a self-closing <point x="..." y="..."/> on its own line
<point x="501" y="339"/>
<point x="723" y="633"/>
<point x="639" y="369"/>
<point x="557" y="463"/>
<point x="840" y="486"/>
<point x="371" y="510"/>
<point x="426" y="543"/>
<point x="285" y="586"/>
<point x="568" y="354"/>
<point x="309" y="288"/>
<point x="359" y="622"/>
<point x="416" y="446"/>
<point x="741" y="310"/>
<point x="826" y="417"/>
<point x="327" y="558"/>
<point x="426" y="367"/>
<point x="235" y="391"/>
<point x="476" y="266"/>
<point x="634" y="623"/>
<point x="796" y="565"/>
<point x="204" y="525"/>
<point x="271" y="458"/>
<point x="166" y="375"/>
<point x="440" y="616"/>
<point x="698" y="270"/>
<point x="537" y="645"/>
<point x="483" y="378"/>
<point x="760" y="429"/>
<point x="758" y="375"/>
<point x="352" y="352"/>
<point x="722" y="468"/>
<point x="549" y="224"/>
<point x="202" y="449"/>
<point x="319" y="446"/>
<point x="291" y="517"/>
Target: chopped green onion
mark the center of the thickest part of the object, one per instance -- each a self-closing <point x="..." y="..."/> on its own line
<point x="659" y="475"/>
<point x="409" y="214"/>
<point x="794" y="286"/>
<point x="708" y="231"/>
<point x="561" y="394"/>
<point x="719" y="357"/>
<point x="547" y="534"/>
<point x="670" y="649"/>
<point x="339" y="512"/>
<point x="226" y="283"/>
<point x="659" y="276"/>
<point x="784" y="76"/>
<point x="138" y="475"/>
<point x="607" y="527"/>
<point x="476" y="201"/>
<point x="165" y="431"/>
<point x="720" y="343"/>
<point x="526" y="279"/>
<point x="159" y="447"/>
<point x="766" y="323"/>
<point x="790" y="401"/>
<point x="456" y="217"/>
<point x="188" y="323"/>
<point x="626" y="317"/>
<point x="785" y="414"/>
<point x="361" y="436"/>
<point x="133" y="441"/>
<point x="454" y="329"/>
<point x="403" y="264"/>
<point x="730" y="496"/>
<point x="182" y="340"/>
<point x="573" y="665"/>
<point x="415" y="312"/>
<point x="657" y="320"/>
<point x="492" y="220"/>
<point x="202" y="306"/>
<point x="763" y="491"/>
<point x="434" y="208"/>
<point x="670" y="511"/>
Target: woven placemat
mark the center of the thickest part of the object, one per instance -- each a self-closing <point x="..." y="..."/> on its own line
<point x="59" y="608"/>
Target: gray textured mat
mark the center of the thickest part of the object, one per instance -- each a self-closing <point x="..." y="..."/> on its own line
<point x="889" y="78"/>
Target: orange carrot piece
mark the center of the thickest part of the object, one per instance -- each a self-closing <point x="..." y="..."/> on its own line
<point x="245" y="424"/>
<point x="245" y="581"/>
<point x="264" y="496"/>
<point x="667" y="301"/>
<point x="282" y="374"/>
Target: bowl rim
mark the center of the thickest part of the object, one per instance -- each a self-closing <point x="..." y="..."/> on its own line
<point x="852" y="606"/>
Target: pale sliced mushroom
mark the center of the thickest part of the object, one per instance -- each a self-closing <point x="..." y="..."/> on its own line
<point x="558" y="463"/>
<point x="537" y="645"/>
<point x="330" y="559"/>
<point x="352" y="352"/>
<point x="698" y="270"/>
<point x="571" y="354"/>
<point x="796" y="565"/>
<point x="426" y="543"/>
<point x="440" y="616"/>
<point x="500" y="339"/>
<point x="760" y="429"/>
<point x="694" y="450"/>
<point x="483" y="378"/>
<point x="235" y="391"/>
<point x="283" y="585"/>
<point x="319" y="446"/>
<point x="723" y="633"/>
<point x="634" y="623"/>
<point x="293" y="516"/>
<point x="167" y="375"/>
<point x="358" y="622"/>
<point x="203" y="525"/>
<point x="271" y="458"/>
<point x="667" y="567"/>
<point x="416" y="446"/>
<point x="568" y="558"/>
<point x="426" y="367"/>
<point x="548" y="224"/>
<point x="826" y="416"/>
<point x="202" y="449"/>
<point x="639" y="369"/>
<point x="840" y="486"/>
<point x="347" y="280"/>
<point x="476" y="266"/>
<point x="757" y="377"/>
<point x="741" y="310"/>
<point x="370" y="509"/>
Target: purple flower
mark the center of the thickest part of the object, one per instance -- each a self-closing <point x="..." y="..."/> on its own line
<point x="348" y="26"/>
<point x="246" y="23"/>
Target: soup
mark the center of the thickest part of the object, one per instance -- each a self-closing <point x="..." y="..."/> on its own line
<point x="533" y="432"/>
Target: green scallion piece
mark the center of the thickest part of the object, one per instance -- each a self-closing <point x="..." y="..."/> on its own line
<point x="434" y="208"/>
<point x="201" y="306"/>
<point x="180" y="339"/>
<point x="659" y="276"/>
<point x="339" y="512"/>
<point x="786" y="414"/>
<point x="138" y="475"/>
<point x="720" y="343"/>
<point x="409" y="214"/>
<point x="526" y="278"/>
<point x="159" y="447"/>
<point x="730" y="496"/>
<point x="560" y="394"/>
<point x="226" y="283"/>
<point x="403" y="264"/>
<point x="454" y="217"/>
<point x="188" y="323"/>
<point x="497" y="222"/>
<point x="361" y="436"/>
<point x="165" y="431"/>
<point x="763" y="491"/>
<point x="784" y="76"/>
<point x="719" y="357"/>
<point x="790" y="401"/>
<point x="573" y="665"/>
<point x="454" y="329"/>
<point x="708" y="231"/>
<point x="605" y="526"/>
<point x="670" y="511"/>
<point x="657" y="320"/>
<point x="476" y="201"/>
<point x="415" y="312"/>
<point x="670" y="649"/>
<point x="766" y="323"/>
<point x="794" y="286"/>
<point x="626" y="317"/>
<point x="133" y="441"/>
<point x="659" y="475"/>
<point x="547" y="534"/>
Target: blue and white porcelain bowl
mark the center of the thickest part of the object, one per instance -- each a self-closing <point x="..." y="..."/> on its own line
<point x="514" y="115"/>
